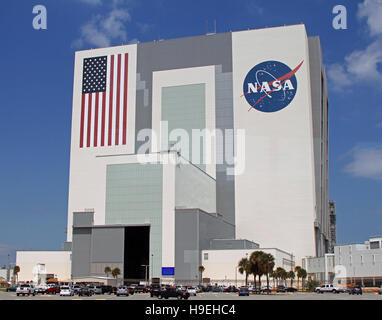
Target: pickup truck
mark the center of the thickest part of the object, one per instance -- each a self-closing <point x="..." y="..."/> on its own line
<point x="25" y="289"/>
<point x="329" y="288"/>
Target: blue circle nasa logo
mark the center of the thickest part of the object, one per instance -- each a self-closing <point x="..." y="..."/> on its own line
<point x="270" y="86"/>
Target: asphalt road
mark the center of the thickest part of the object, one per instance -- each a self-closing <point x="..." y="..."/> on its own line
<point x="205" y="296"/>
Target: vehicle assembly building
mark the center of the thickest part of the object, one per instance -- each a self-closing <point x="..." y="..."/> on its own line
<point x="189" y="146"/>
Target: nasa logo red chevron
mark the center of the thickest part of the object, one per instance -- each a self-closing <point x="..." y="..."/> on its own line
<point x="270" y="86"/>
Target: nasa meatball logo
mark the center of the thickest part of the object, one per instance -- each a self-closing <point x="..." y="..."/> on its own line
<point x="270" y="86"/>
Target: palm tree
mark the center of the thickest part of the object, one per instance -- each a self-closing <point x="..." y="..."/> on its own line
<point x="280" y="274"/>
<point x="273" y="275"/>
<point x="303" y="275"/>
<point x="245" y="267"/>
<point x="115" y="273"/>
<point x="291" y="275"/>
<point x="201" y="270"/>
<point x="284" y="276"/>
<point x="255" y="262"/>
<point x="297" y="269"/>
<point x="107" y="271"/>
<point x="267" y="265"/>
<point x="16" y="270"/>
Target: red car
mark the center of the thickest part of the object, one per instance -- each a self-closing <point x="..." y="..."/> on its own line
<point x="53" y="290"/>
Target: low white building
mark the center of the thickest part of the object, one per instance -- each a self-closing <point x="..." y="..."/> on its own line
<point x="352" y="263"/>
<point x="221" y="265"/>
<point x="36" y="266"/>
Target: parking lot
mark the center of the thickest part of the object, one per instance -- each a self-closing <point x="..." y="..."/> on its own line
<point x="203" y="296"/>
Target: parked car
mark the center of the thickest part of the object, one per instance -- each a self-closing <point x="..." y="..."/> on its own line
<point x="11" y="289"/>
<point x="217" y="289"/>
<point x="25" y="289"/>
<point x="66" y="291"/>
<point x="140" y="289"/>
<point x="155" y="291"/>
<point x="255" y="290"/>
<point x="379" y="290"/>
<point x="122" y="291"/>
<point x="291" y="289"/>
<point x="329" y="288"/>
<point x="76" y="288"/>
<point x="191" y="291"/>
<point x="231" y="289"/>
<point x="172" y="292"/>
<point x="281" y="289"/>
<point x="243" y="291"/>
<point x="106" y="289"/>
<point x="85" y="291"/>
<point x="266" y="289"/>
<point x="355" y="290"/>
<point x="41" y="289"/>
<point x="96" y="289"/>
<point x="52" y="290"/>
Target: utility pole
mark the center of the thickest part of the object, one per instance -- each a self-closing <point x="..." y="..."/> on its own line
<point x="152" y="267"/>
<point x="146" y="266"/>
<point x="9" y="270"/>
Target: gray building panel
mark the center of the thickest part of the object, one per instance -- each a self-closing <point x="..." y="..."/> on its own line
<point x="81" y="252"/>
<point x="320" y="143"/>
<point x="83" y="219"/>
<point x="108" y="245"/>
<point x="194" y="230"/>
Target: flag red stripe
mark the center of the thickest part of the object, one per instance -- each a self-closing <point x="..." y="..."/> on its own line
<point x="118" y="101"/>
<point x="89" y="119"/>
<point x="82" y="121"/>
<point x="111" y="97"/>
<point x="103" y="118"/>
<point x="125" y="98"/>
<point x="96" y="119"/>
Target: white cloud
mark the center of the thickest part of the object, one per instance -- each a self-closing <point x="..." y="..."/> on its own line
<point x="362" y="65"/>
<point x="102" y="30"/>
<point x="371" y="10"/>
<point x="366" y="163"/>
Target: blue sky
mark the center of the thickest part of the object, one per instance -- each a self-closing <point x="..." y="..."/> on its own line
<point x="36" y="98"/>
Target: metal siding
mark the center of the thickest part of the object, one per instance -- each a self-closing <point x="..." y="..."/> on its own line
<point x="81" y="253"/>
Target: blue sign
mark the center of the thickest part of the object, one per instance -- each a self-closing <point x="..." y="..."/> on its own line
<point x="270" y="86"/>
<point x="168" y="271"/>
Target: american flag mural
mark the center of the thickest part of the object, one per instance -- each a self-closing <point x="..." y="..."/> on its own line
<point x="104" y="101"/>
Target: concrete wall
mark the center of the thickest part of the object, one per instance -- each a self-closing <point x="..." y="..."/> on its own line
<point x="56" y="262"/>
<point x="277" y="190"/>
<point x="359" y="260"/>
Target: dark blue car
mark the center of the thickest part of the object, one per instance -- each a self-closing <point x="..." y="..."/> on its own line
<point x="243" y="291"/>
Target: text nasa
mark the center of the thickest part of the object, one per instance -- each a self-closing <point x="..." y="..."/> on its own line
<point x="266" y="86"/>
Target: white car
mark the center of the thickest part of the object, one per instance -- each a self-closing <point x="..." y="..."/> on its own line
<point x="122" y="291"/>
<point x="25" y="289"/>
<point x="191" y="291"/>
<point x="66" y="291"/>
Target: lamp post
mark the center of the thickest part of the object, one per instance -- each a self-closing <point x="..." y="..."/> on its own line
<point x="152" y="267"/>
<point x="146" y="266"/>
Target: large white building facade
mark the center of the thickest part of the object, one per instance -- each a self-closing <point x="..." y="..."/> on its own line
<point x="178" y="143"/>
